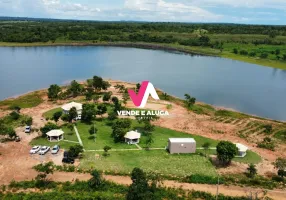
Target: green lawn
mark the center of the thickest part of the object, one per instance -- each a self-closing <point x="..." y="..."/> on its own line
<point x="69" y="135"/>
<point x="25" y="101"/>
<point x="49" y="114"/>
<point x="157" y="161"/>
<point x="251" y="157"/>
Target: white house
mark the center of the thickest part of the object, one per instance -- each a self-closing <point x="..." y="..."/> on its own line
<point x="132" y="137"/>
<point x="242" y="149"/>
<point x="181" y="145"/>
<point x="55" y="135"/>
<point x="66" y="108"/>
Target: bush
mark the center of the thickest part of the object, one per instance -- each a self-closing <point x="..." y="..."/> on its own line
<point x="252" y="54"/>
<point x="243" y="52"/>
<point x="48" y="127"/>
<point x="264" y="55"/>
<point x="14" y="115"/>
<point x="203" y="179"/>
<point x="75" y="150"/>
<point x="267" y="143"/>
<point x="235" y="51"/>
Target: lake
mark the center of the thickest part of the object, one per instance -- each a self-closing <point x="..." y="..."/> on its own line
<point x="222" y="82"/>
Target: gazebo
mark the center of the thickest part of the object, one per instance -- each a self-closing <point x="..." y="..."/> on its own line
<point x="242" y="149"/>
<point x="132" y="137"/>
<point x="55" y="135"/>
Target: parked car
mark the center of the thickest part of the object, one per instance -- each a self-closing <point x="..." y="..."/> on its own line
<point x="17" y="139"/>
<point x="78" y="117"/>
<point x="35" y="149"/>
<point x="55" y="149"/>
<point x="67" y="159"/>
<point x="27" y="129"/>
<point x="44" y="150"/>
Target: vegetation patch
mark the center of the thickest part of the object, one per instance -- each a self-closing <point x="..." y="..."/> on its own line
<point x="25" y="101"/>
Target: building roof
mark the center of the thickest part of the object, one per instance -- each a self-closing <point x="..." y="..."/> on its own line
<point x="132" y="135"/>
<point x="241" y="147"/>
<point x="68" y="106"/>
<point x="182" y="140"/>
<point x="55" y="133"/>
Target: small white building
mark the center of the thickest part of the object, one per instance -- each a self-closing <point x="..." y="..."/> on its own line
<point x="242" y="149"/>
<point x="66" y="108"/>
<point x="181" y="145"/>
<point x="132" y="137"/>
<point x="55" y="135"/>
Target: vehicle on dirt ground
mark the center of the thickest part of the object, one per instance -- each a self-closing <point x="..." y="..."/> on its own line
<point x="27" y="129"/>
<point x="17" y="139"/>
<point x="55" y="149"/>
<point x="44" y="150"/>
<point x="67" y="159"/>
<point x="35" y="149"/>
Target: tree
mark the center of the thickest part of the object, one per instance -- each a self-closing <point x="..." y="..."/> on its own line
<point x="226" y="151"/>
<point x="92" y="131"/>
<point x="139" y="189"/>
<point x="138" y="85"/>
<point x="206" y="147"/>
<point x="98" y="83"/>
<point x="106" y="149"/>
<point x="101" y="109"/>
<point x="148" y="127"/>
<point x="88" y="113"/>
<point x="125" y="98"/>
<point x="235" y="51"/>
<point x="88" y="94"/>
<point x="112" y="116"/>
<point x="72" y="114"/>
<point x="48" y="127"/>
<point x="149" y="141"/>
<point x="96" y="180"/>
<point x="189" y="100"/>
<point x="54" y="91"/>
<point x="75" y="150"/>
<point x="264" y="55"/>
<point x="57" y="115"/>
<point x="107" y="96"/>
<point x="70" y="126"/>
<point x="277" y="52"/>
<point x="14" y="115"/>
<point x="115" y="100"/>
<point x="29" y="121"/>
<point x="119" y="129"/>
<point x="75" y="89"/>
<point x="280" y="164"/>
<point x="165" y="96"/>
<point x="96" y="98"/>
<point x="252" y="171"/>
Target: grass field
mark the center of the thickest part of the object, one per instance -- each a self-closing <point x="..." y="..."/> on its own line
<point x="49" y="114"/>
<point x="157" y="161"/>
<point x="25" y="101"/>
<point x="68" y="135"/>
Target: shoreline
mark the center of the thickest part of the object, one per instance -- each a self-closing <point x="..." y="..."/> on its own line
<point x="172" y="48"/>
<point x="133" y="83"/>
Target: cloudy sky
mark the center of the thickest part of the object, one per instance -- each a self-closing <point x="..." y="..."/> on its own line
<point x="234" y="11"/>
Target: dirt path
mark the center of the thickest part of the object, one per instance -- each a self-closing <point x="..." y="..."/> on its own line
<point x="226" y="190"/>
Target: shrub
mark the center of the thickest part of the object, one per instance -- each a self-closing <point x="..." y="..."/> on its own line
<point x="235" y="51"/>
<point x="203" y="179"/>
<point x="252" y="54"/>
<point x="264" y="55"/>
<point x="243" y="52"/>
<point x="267" y="143"/>
<point x="75" y="150"/>
<point x="14" y="115"/>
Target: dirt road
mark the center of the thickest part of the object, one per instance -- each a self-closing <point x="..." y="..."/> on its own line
<point x="226" y="190"/>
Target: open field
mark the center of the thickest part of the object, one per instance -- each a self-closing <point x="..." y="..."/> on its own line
<point x="158" y="161"/>
<point x="26" y="101"/>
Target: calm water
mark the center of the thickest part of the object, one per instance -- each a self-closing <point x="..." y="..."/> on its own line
<point x="222" y="82"/>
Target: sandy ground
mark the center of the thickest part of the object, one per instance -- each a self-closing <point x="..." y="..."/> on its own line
<point x="16" y="163"/>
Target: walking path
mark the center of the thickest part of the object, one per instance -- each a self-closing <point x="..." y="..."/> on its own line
<point x="78" y="136"/>
<point x="140" y="148"/>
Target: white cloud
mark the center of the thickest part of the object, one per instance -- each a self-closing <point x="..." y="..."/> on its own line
<point x="165" y="11"/>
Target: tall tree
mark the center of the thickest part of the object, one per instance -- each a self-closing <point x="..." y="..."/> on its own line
<point x="88" y="113"/>
<point x="57" y="115"/>
<point x="54" y="91"/>
<point x="96" y="180"/>
<point x="226" y="151"/>
<point x="101" y="109"/>
<point x="72" y="114"/>
<point x="75" y="89"/>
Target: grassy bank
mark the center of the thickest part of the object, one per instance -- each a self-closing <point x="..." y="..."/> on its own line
<point x="200" y="50"/>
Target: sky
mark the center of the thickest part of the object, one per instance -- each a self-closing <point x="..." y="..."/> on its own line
<point x="226" y="11"/>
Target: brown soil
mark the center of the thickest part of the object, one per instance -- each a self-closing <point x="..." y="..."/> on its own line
<point x="16" y="163"/>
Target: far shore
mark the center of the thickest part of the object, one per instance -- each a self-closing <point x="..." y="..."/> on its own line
<point x="190" y="50"/>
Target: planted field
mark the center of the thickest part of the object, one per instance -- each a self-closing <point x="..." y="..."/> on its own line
<point x="158" y="161"/>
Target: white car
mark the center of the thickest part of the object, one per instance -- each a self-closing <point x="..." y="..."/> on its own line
<point x="44" y="150"/>
<point x="35" y="149"/>
<point x="55" y="149"/>
<point x="27" y="129"/>
<point x="78" y="117"/>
